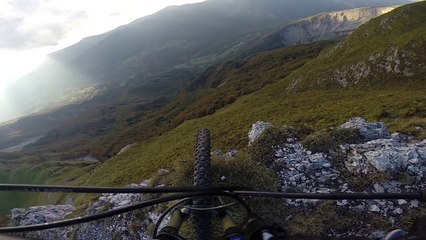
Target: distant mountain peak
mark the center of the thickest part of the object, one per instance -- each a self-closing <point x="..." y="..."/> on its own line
<point x="330" y="25"/>
<point x="387" y="51"/>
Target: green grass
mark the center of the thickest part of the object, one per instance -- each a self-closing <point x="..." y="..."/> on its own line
<point x="403" y="29"/>
<point x="218" y="86"/>
<point x="18" y="174"/>
<point x="122" y="117"/>
<point x="51" y="172"/>
<point x="230" y="126"/>
<point x="330" y="139"/>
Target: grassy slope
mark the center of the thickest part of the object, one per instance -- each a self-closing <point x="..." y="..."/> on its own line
<point x="398" y="103"/>
<point x="28" y="172"/>
<point x="219" y="86"/>
<point x="230" y="125"/>
<point x="403" y="29"/>
<point x="237" y="79"/>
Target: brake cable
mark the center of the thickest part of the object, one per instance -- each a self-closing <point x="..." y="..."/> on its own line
<point x="335" y="196"/>
<point x="75" y="189"/>
<point x="110" y="213"/>
<point x="190" y="192"/>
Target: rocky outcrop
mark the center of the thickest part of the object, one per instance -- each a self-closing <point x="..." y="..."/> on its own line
<point x="392" y="63"/>
<point x="365" y="60"/>
<point x="300" y="170"/>
<point x="40" y="215"/>
<point x="397" y="62"/>
<point x="328" y="26"/>
<point x="126" y="148"/>
<point x="324" y="26"/>
<point x="257" y="129"/>
<point x="386" y="155"/>
<point x="124" y="226"/>
<point x="368" y="130"/>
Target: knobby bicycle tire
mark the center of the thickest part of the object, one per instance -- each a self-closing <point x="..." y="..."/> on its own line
<point x="202" y="178"/>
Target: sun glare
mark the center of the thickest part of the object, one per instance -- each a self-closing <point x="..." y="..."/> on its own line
<point x="77" y="19"/>
<point x="16" y="64"/>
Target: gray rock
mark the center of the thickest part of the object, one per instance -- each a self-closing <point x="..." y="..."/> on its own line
<point x="386" y="155"/>
<point x="342" y="203"/>
<point x="399" y="137"/>
<point x="326" y="165"/>
<point x="414" y="203"/>
<point x="398" y="211"/>
<point x="41" y="215"/>
<point x="374" y="208"/>
<point x="368" y="130"/>
<point x="126" y="148"/>
<point x="121" y="225"/>
<point x="383" y="160"/>
<point x="163" y="171"/>
<point x="217" y="153"/>
<point x="232" y="153"/>
<point x="257" y="129"/>
<point x="392" y="186"/>
<point x="378" y="188"/>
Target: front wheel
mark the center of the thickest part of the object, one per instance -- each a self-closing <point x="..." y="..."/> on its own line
<point x="202" y="178"/>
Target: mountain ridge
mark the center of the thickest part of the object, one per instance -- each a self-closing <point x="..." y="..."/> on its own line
<point x="366" y="59"/>
<point x="323" y="26"/>
<point x="159" y="43"/>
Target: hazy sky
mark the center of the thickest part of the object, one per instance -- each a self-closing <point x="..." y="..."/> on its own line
<point x="30" y="29"/>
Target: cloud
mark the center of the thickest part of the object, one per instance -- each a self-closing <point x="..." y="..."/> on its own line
<point x="25" y="6"/>
<point x="36" y="23"/>
<point x="16" y="34"/>
<point x="27" y="24"/>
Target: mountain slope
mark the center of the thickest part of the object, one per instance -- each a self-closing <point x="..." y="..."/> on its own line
<point x="188" y="36"/>
<point x="401" y="105"/>
<point x="183" y="36"/>
<point x="102" y="131"/>
<point x="390" y="50"/>
<point x="324" y="26"/>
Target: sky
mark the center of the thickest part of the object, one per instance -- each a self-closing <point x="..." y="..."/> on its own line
<point x="31" y="29"/>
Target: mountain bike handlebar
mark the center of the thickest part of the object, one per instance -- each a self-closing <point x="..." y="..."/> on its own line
<point x="183" y="192"/>
<point x="239" y="190"/>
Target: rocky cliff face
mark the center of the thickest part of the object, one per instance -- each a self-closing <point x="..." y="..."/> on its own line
<point x="329" y="25"/>
<point x="387" y="51"/>
<point x="321" y="27"/>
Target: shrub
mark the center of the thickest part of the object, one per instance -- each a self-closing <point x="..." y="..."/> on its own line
<point x="331" y="139"/>
<point x="238" y="171"/>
